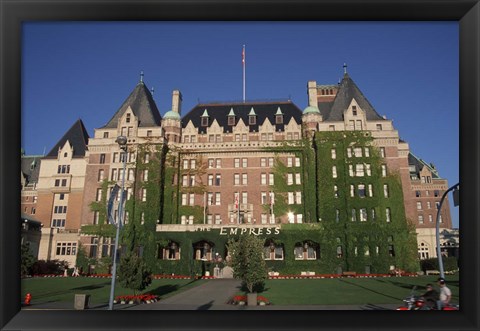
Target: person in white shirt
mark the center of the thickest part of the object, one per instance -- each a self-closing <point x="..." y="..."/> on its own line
<point x="445" y="294"/>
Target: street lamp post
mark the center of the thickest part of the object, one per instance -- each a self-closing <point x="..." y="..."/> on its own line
<point x="439" y="251"/>
<point x="122" y="143"/>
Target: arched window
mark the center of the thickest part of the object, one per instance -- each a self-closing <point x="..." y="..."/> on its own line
<point x="307" y="250"/>
<point x="273" y="251"/>
<point x="203" y="251"/>
<point x="169" y="252"/>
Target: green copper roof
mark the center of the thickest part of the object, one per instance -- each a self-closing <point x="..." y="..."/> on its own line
<point x="279" y="111"/>
<point x="231" y="113"/>
<point x="311" y="110"/>
<point x="172" y="115"/>
<point x="252" y="112"/>
<point x="205" y="113"/>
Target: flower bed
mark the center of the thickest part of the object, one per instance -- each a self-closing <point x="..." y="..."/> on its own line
<point x="140" y="298"/>
<point x="242" y="300"/>
<point x="171" y="277"/>
<point x="405" y="274"/>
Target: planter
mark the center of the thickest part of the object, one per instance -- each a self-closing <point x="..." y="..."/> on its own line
<point x="252" y="299"/>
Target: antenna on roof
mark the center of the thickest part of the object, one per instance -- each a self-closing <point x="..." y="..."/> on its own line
<point x="345" y="68"/>
<point x="141" y="76"/>
<point x="152" y="90"/>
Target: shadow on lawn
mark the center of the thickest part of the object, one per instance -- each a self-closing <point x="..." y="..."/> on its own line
<point x="91" y="287"/>
<point x="165" y="289"/>
<point x="369" y="289"/>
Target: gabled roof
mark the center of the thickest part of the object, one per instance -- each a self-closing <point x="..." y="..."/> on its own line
<point x="143" y="107"/>
<point x="419" y="164"/>
<point x="263" y="110"/>
<point x="347" y="91"/>
<point x="78" y="137"/>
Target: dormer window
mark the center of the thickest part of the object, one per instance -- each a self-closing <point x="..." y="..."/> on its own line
<point x="278" y="119"/>
<point x="354" y="110"/>
<point x="204" y="121"/>
<point x="127" y="118"/>
<point x="231" y="120"/>
<point x="252" y="120"/>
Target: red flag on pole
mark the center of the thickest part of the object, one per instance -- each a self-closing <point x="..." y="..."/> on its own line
<point x="243" y="55"/>
<point x="236" y="201"/>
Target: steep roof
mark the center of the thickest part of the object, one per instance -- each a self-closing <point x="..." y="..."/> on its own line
<point x="78" y="137"/>
<point x="143" y="106"/>
<point x="263" y="110"/>
<point x="30" y="165"/>
<point x="419" y="164"/>
<point x="347" y="91"/>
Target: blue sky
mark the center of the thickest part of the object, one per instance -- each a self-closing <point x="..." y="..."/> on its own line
<point x="407" y="70"/>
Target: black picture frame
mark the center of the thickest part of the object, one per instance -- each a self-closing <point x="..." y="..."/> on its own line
<point x="466" y="12"/>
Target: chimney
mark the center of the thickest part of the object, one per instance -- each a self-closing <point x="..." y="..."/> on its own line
<point x="177" y="101"/>
<point x="312" y="93"/>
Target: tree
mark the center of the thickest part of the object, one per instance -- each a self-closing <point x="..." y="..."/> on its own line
<point x="27" y="259"/>
<point x="133" y="273"/>
<point x="247" y="261"/>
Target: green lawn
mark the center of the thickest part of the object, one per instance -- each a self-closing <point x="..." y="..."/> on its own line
<point x="344" y="291"/>
<point x="45" y="290"/>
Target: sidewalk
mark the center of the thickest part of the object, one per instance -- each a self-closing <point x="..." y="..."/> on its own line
<point x="207" y="296"/>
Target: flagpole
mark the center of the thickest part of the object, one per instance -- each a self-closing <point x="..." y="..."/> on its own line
<point x="243" y="63"/>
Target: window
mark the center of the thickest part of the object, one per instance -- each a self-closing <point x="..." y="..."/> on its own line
<point x="417" y="194"/>
<point x="58" y="223"/>
<point x="236" y="179"/>
<point x="335" y="191"/>
<point x="370" y="190"/>
<point x="363" y="215"/>
<point x="236" y="163"/>
<point x="102" y="158"/>
<point x="184" y="199"/>
<point x="263" y="162"/>
<point x="273" y="252"/>
<point x="263" y="179"/>
<point x="298" y="179"/>
<point x="337" y="215"/>
<point x="114" y="174"/>
<point x="297" y="162"/>
<point x="350" y="170"/>
<point x="420" y="219"/>
<point x="290" y="198"/>
<point x="384" y="170"/>
<point x="270" y="136"/>
<point x="361" y="190"/>
<point x="349" y="152"/>
<point x="99" y="195"/>
<point x="354" y="110"/>
<point x="185" y="164"/>
<point x="373" y="214"/>
<point x="368" y="169"/>
<point x="191" y="200"/>
<point x="101" y="175"/>
<point x="385" y="190"/>
<point x="64" y="182"/>
<point x="244" y="163"/>
<point x="131" y="174"/>
<point x="244" y="179"/>
<point x="435" y="193"/>
<point x="270" y="162"/>
<point x="271" y="179"/>
<point x="204" y="121"/>
<point x="331" y="128"/>
<point x="145" y="175"/>
<point x="419" y="205"/>
<point x="367" y="152"/>
<point x="210" y="198"/>
<point x="278" y="119"/>
<point x="193" y="163"/>
<point x="105" y="135"/>
<point x="289" y="162"/>
<point x="252" y="120"/>
<point x="354" y="215"/>
<point x="388" y="214"/>
<point x="244" y="197"/>
<point x="217" y="198"/>
<point x="429" y="205"/>
<point x="334" y="172"/>
<point x="359" y="170"/>
<point x="144" y="194"/>
<point x="334" y="153"/>
<point x="210" y="180"/>
<point x="263" y="196"/>
<point x="184" y="180"/>
<point x="289" y="179"/>
<point x="66" y="248"/>
<point x="382" y="151"/>
<point x="147" y="157"/>
<point x="96" y="215"/>
<point x="218" y="179"/>
<point x="379" y="127"/>
<point x="210" y="163"/>
<point x="298" y="198"/>
<point x="231" y="120"/>
<point x="218" y="163"/>
<point x="352" y="191"/>
<point x="357" y="152"/>
<point x="430" y="218"/>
